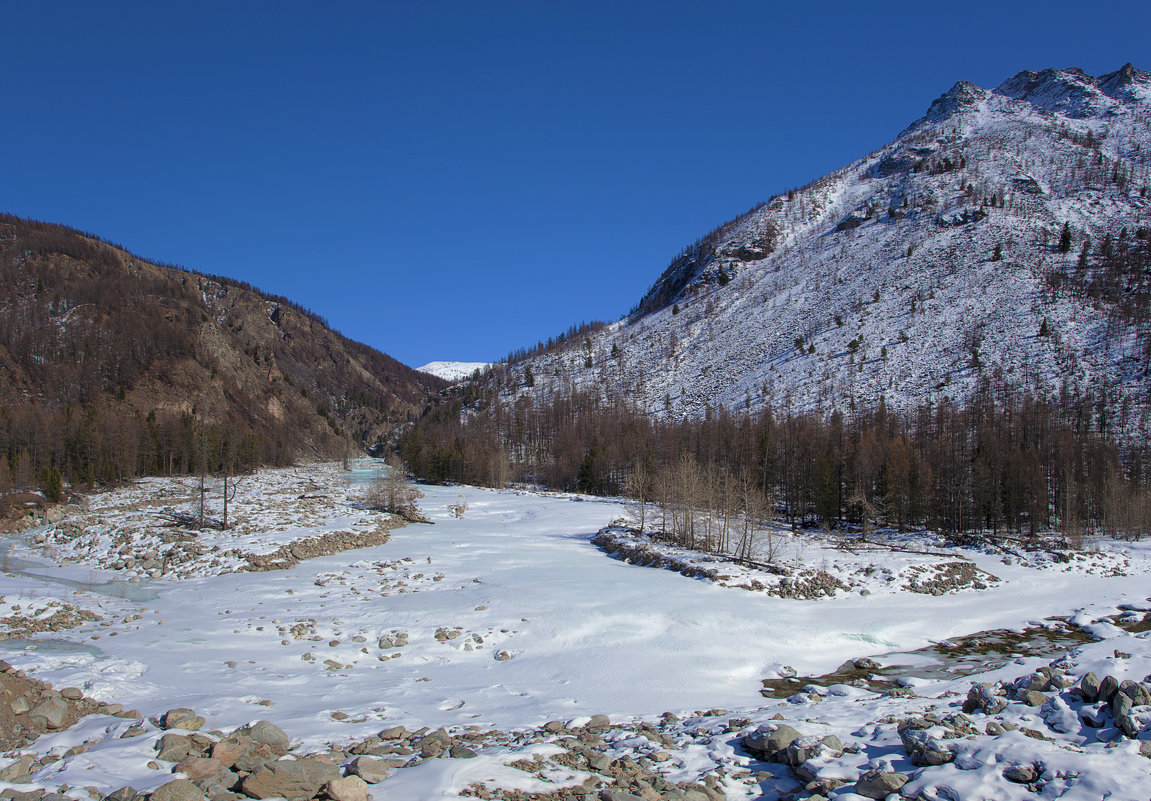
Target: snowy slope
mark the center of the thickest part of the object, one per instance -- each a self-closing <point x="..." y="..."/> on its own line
<point x="896" y="253"/>
<point x="452" y="371"/>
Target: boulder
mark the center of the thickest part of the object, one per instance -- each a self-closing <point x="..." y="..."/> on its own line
<point x="199" y="767"/>
<point x="173" y="747"/>
<point x="395" y="733"/>
<point x="598" y="723"/>
<point x="370" y="769"/>
<point x="231" y="748"/>
<point x="616" y="794"/>
<point x="1138" y="693"/>
<point x="1033" y="698"/>
<point x="293" y="779"/>
<point x="348" y="788"/>
<point x="125" y="793"/>
<point x="879" y="784"/>
<point x="265" y="732"/>
<point x="178" y="790"/>
<point x="802" y="749"/>
<point x="182" y="718"/>
<point x="17" y="771"/>
<point x="51" y="714"/>
<point x="924" y="748"/>
<point x="1021" y="774"/>
<point x="982" y="698"/>
<point x="1089" y="687"/>
<point x="769" y="740"/>
<point x="1107" y="688"/>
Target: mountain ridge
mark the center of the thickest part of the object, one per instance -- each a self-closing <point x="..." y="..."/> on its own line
<point x="916" y="273"/>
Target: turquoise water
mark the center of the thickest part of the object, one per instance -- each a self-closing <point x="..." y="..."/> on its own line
<point x="138" y="591"/>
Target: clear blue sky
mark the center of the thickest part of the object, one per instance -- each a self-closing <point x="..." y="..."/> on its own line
<point x="452" y="180"/>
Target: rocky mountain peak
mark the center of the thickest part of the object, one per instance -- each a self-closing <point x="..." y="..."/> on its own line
<point x="1073" y="93"/>
<point x="963" y="95"/>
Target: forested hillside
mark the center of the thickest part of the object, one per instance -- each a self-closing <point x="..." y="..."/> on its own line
<point x="111" y="366"/>
<point x="952" y="331"/>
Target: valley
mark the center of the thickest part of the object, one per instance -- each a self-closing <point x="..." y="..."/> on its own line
<point x="503" y="624"/>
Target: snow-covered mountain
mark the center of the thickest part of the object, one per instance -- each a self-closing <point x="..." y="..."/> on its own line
<point x="452" y="371"/>
<point x="916" y="272"/>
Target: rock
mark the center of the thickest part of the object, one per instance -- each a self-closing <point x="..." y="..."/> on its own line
<point x="231" y="748"/>
<point x="461" y="752"/>
<point x="178" y="790"/>
<point x="51" y="714"/>
<point x="17" y="795"/>
<point x="182" y="718"/>
<point x="1089" y="687"/>
<point x="879" y="784"/>
<point x="1137" y="692"/>
<point x="1021" y="774"/>
<point x="554" y="726"/>
<point x="348" y="788"/>
<point x="1120" y="706"/>
<point x="616" y="794"/>
<point x="769" y="740"/>
<point x="1131" y="725"/>
<point x="294" y="779"/>
<point x="982" y="698"/>
<point x="923" y="748"/>
<point x="802" y="749"/>
<point x="370" y="769"/>
<point x="125" y="793"/>
<point x="598" y="723"/>
<point x="265" y="732"/>
<point x="17" y="771"/>
<point x="1107" y="688"/>
<point x="72" y="693"/>
<point x="255" y="758"/>
<point x="173" y="747"/>
<point x="199" y="767"/>
<point x="502" y="656"/>
<point x="1034" y="698"/>
<point x="395" y="733"/>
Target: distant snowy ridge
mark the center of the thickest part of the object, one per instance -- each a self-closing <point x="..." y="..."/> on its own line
<point x="453" y="371"/>
<point x="915" y="274"/>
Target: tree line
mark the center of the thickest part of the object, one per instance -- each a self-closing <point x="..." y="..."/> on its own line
<point x="1004" y="463"/>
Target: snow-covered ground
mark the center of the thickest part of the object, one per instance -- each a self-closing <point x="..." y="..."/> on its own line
<point x="550" y="628"/>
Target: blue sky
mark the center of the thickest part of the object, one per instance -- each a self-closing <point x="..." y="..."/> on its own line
<point x="453" y="180"/>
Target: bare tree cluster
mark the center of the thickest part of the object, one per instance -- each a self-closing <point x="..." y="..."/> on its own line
<point x="1005" y="463"/>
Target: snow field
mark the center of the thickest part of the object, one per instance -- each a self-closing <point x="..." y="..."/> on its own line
<point x="549" y="628"/>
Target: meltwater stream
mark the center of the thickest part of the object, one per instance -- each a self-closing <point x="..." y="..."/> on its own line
<point x="49" y="574"/>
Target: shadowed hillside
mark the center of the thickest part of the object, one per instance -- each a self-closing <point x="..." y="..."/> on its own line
<point x="111" y="366"/>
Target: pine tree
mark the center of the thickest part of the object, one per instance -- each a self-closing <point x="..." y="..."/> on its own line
<point x="1065" y="239"/>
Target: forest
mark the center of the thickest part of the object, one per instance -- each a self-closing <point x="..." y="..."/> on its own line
<point x="1003" y="464"/>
